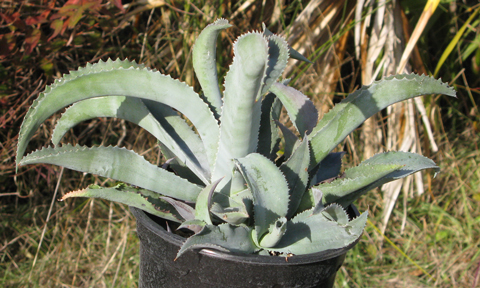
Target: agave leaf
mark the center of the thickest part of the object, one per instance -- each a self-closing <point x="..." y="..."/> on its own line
<point x="204" y="62"/>
<point x="327" y="171"/>
<point x="277" y="60"/>
<point x="121" y="78"/>
<point x="204" y="202"/>
<point x="353" y="184"/>
<point x="146" y="200"/>
<point x="275" y="233"/>
<point x="295" y="170"/>
<point x="329" y="168"/>
<point x="296" y="55"/>
<point x="185" y="210"/>
<point x="347" y="115"/>
<point x="310" y="200"/>
<point x="184" y="142"/>
<point x="224" y="237"/>
<point x="409" y="163"/>
<point x="119" y="164"/>
<point x="373" y="173"/>
<point x="269" y="190"/>
<point x="230" y="209"/>
<point x="336" y="213"/>
<point x="231" y="215"/>
<point x="240" y="120"/>
<point x="349" y="186"/>
<point x="187" y="147"/>
<point x="193" y="225"/>
<point x="178" y="167"/>
<point x="293" y="53"/>
<point x="309" y="233"/>
<point x="268" y="136"/>
<point x="317" y="200"/>
<point x="300" y="109"/>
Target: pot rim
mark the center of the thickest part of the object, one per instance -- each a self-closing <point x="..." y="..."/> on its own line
<point x="302" y="259"/>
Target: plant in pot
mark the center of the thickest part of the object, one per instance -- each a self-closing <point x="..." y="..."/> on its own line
<point x="270" y="204"/>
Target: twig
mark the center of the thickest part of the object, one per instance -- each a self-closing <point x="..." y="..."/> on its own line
<point x="30" y="194"/>
<point x="146" y="32"/>
<point x="121" y="257"/>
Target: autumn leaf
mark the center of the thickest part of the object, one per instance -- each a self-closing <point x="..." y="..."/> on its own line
<point x="57" y="26"/>
<point x="32" y="40"/>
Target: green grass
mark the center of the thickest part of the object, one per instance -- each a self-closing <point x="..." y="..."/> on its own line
<point x="441" y="231"/>
<point x="92" y="243"/>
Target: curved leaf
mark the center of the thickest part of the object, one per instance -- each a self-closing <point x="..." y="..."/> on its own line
<point x="372" y="173"/>
<point x="300" y="109"/>
<point x="171" y="130"/>
<point x="240" y="120"/>
<point x="353" y="184"/>
<point x="185" y="210"/>
<point x="269" y="189"/>
<point x="293" y="53"/>
<point x="121" y="78"/>
<point x="182" y="135"/>
<point x="410" y="162"/>
<point x="119" y="164"/>
<point x="335" y="212"/>
<point x="309" y="233"/>
<point x="275" y="233"/>
<point x="228" y="209"/>
<point x="277" y="60"/>
<point x="146" y="200"/>
<point x="295" y="170"/>
<point x="204" y="62"/>
<point x="224" y="237"/>
<point x="268" y="136"/>
<point x="347" y="115"/>
<point x="204" y="202"/>
<point x="193" y="225"/>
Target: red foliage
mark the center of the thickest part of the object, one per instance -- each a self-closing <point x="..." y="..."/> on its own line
<point x="43" y="21"/>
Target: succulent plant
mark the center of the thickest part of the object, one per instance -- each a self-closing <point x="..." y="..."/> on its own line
<point x="240" y="180"/>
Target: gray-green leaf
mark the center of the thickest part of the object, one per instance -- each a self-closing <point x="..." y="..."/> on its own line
<point x="121" y="78"/>
<point x="300" y="109"/>
<point x="170" y="129"/>
<point x="269" y="189"/>
<point x="204" y="62"/>
<point x="347" y="115"/>
<point x="119" y="164"/>
<point x="240" y="120"/>
<point x="295" y="170"/>
<point x="309" y="233"/>
<point x="224" y="237"/>
<point x="146" y="200"/>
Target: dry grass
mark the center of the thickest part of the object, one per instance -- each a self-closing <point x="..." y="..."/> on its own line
<point x="439" y="232"/>
<point x="92" y="243"/>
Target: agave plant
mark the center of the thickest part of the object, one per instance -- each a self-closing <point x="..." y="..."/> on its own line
<point x="240" y="180"/>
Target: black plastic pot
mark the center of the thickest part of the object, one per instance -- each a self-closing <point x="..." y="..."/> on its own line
<point x="210" y="268"/>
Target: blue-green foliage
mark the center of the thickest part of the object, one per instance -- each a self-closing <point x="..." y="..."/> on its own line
<point x="249" y="197"/>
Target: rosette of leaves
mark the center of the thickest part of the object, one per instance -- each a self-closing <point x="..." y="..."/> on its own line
<point x="228" y="181"/>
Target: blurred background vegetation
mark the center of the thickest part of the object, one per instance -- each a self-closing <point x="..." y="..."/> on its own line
<point x="433" y="233"/>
